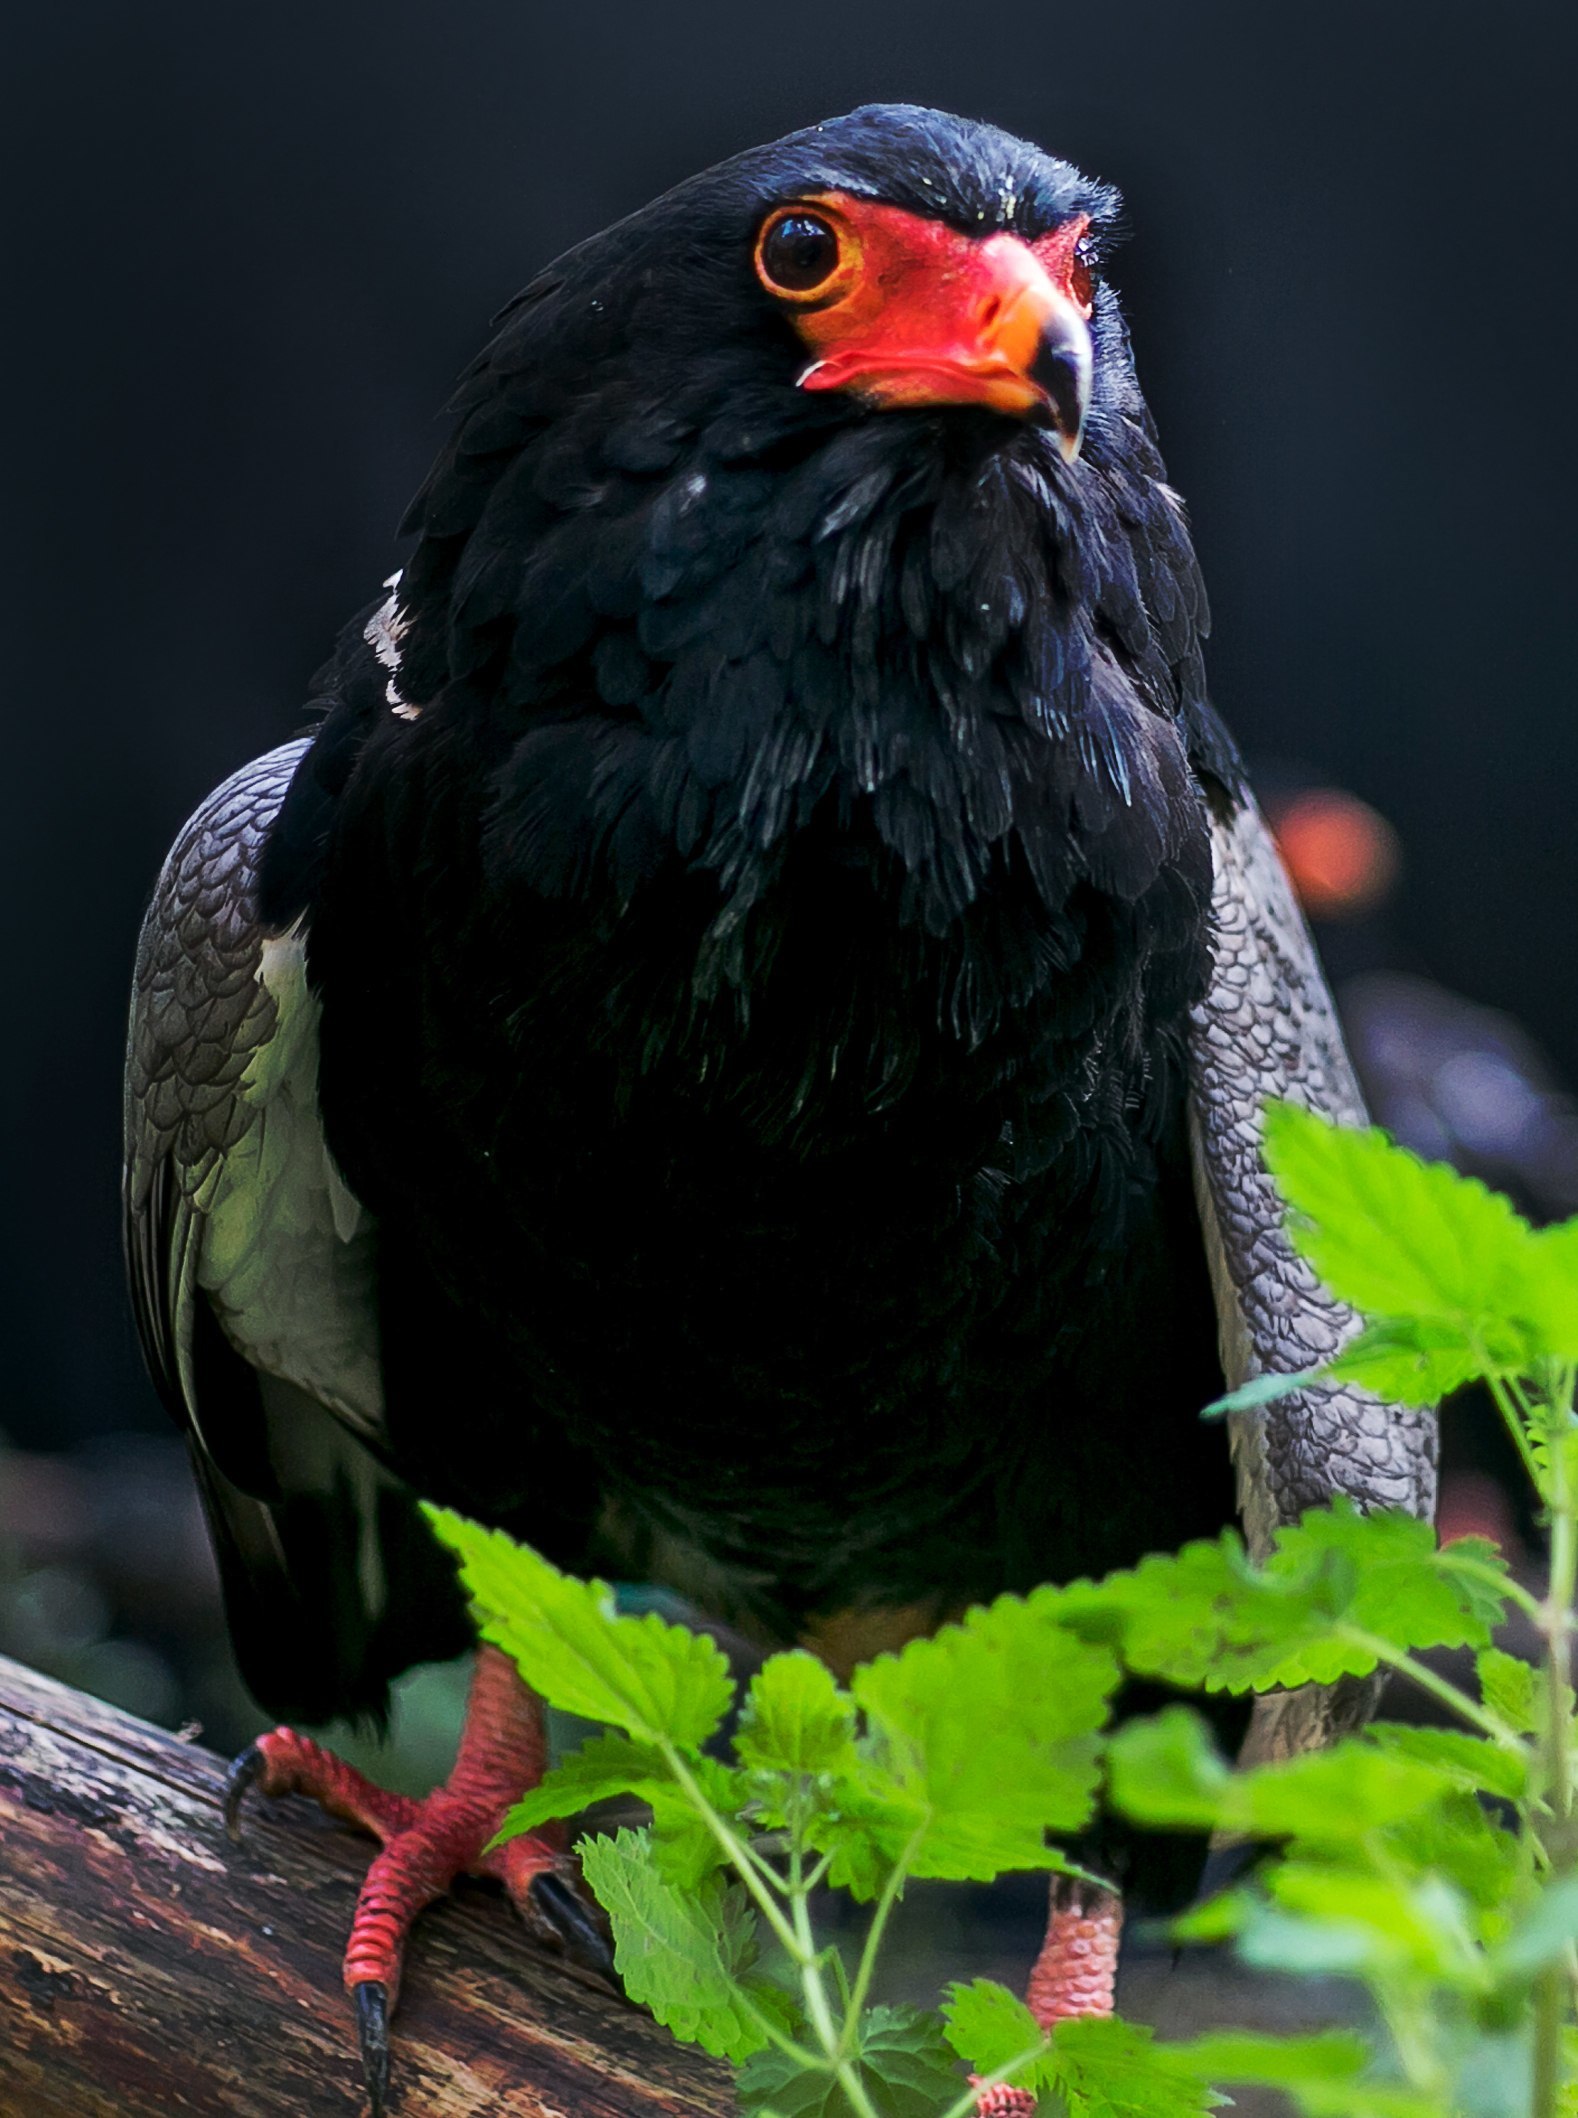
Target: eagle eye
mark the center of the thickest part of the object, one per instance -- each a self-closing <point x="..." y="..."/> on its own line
<point x="797" y="252"/>
<point x="1082" y="275"/>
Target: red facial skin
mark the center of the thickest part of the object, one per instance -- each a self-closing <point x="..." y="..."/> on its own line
<point x="918" y="313"/>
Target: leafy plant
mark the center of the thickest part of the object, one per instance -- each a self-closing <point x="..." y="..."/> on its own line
<point x="1437" y="1866"/>
<point x="952" y="1759"/>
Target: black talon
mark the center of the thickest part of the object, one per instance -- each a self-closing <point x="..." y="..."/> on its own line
<point x="244" y="1772"/>
<point x="372" y="2028"/>
<point x="580" y="1934"/>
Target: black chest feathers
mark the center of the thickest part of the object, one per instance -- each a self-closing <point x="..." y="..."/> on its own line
<point x="857" y="1259"/>
<point x="754" y="985"/>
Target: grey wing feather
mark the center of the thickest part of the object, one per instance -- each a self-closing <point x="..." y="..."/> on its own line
<point x="254" y="1281"/>
<point x="230" y="1189"/>
<point x="1267" y="1028"/>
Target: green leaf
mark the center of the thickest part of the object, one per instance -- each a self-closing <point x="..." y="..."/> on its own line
<point x="1323" y="1915"/>
<point x="654" y="1680"/>
<point x="1262" y="1390"/>
<point x="989" y="2027"/>
<point x="1322" y="2073"/>
<point x="1100" y="2068"/>
<point x="684" y="1847"/>
<point x="1166" y="1771"/>
<point x="1495" y="2076"/>
<point x="1414" y="1360"/>
<point x="682" y="1953"/>
<point x="1219" y="1918"/>
<point x="1567" y="2100"/>
<point x="795" y="1718"/>
<point x="1202" y="1617"/>
<point x="1543" y="1933"/>
<point x="862" y="1828"/>
<point x="1276" y="2062"/>
<point x="1398" y="1237"/>
<point x="1334" y="1583"/>
<point x="1105" y="2068"/>
<point x="1366" y="2099"/>
<point x="1344" y="1918"/>
<point x="1462" y="1760"/>
<point x="1332" y="1797"/>
<point x="906" y="2061"/>
<point x="1460" y="1842"/>
<point x="989" y="1732"/>
<point x="601" y="1767"/>
<point x="904" y="2066"/>
<point x="1405" y="1590"/>
<point x="1559" y="1247"/>
<point x="1511" y="1689"/>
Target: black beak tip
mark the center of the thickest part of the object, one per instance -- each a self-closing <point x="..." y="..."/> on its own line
<point x="1062" y="371"/>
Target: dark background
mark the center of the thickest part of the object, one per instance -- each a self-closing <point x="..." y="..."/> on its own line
<point x="250" y="248"/>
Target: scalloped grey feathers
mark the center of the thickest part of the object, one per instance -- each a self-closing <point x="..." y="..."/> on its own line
<point x="1267" y="1028"/>
<point x="252" y="1267"/>
<point x="230" y="1188"/>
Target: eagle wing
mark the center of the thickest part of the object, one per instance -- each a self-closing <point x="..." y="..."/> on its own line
<point x="1267" y="1028"/>
<point x="253" y="1271"/>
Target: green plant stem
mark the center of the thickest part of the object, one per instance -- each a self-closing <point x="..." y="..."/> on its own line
<point x="1441" y="1688"/>
<point x="1410" y="2018"/>
<point x="794" y="1933"/>
<point x="1550" y="1994"/>
<point x="1515" y="1414"/>
<point x="818" y="1872"/>
<point x="834" y="2036"/>
<point x="775" y="2034"/>
<point x="1415" y="2033"/>
<point x="1558" y="1628"/>
<point x="965" y="2106"/>
<point x="740" y="1856"/>
<point x="1556" y="1624"/>
<point x="892" y="1890"/>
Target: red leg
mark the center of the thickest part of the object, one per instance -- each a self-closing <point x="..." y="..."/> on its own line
<point x="1077" y="1970"/>
<point x="283" y="1762"/>
<point x="1075" y="1974"/>
<point x="428" y="1843"/>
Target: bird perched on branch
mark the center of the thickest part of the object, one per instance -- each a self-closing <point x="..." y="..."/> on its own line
<point x="734" y="1050"/>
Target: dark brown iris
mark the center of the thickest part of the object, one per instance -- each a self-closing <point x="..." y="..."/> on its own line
<point x="799" y="252"/>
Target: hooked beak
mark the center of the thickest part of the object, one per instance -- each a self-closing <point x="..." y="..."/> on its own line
<point x="992" y="328"/>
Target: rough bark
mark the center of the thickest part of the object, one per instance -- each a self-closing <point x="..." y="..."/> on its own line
<point x="147" y="1966"/>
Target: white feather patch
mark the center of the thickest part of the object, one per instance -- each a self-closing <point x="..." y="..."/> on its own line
<point x="385" y="630"/>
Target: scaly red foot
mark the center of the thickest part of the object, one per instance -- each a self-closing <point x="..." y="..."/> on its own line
<point x="428" y="1843"/>
<point x="1075" y="1974"/>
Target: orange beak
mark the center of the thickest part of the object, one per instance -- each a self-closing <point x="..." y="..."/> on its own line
<point x="937" y="317"/>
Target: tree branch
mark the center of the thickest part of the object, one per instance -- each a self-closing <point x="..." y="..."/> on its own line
<point x="146" y="1965"/>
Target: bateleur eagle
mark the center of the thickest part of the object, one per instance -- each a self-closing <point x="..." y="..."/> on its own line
<point x="734" y="1049"/>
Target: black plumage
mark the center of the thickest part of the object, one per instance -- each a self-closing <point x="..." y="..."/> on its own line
<point x="789" y="897"/>
<point x="756" y="875"/>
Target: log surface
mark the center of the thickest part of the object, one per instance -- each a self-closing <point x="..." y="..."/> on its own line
<point x="148" y="1966"/>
